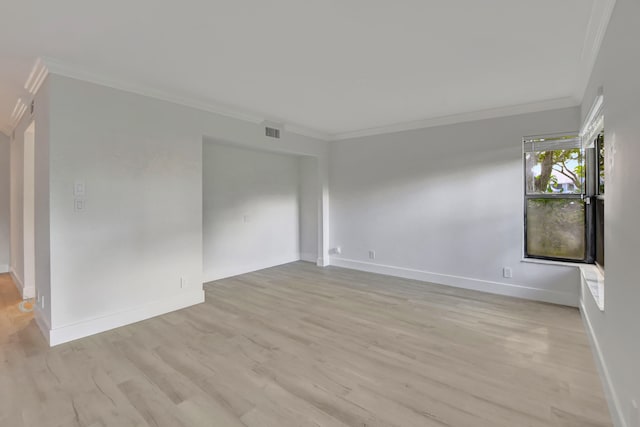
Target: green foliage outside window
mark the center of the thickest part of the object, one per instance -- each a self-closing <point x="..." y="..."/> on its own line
<point x="555" y="226"/>
<point x="545" y="168"/>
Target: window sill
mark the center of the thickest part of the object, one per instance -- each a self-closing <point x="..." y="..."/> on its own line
<point x="549" y="262"/>
<point x="590" y="275"/>
<point x="593" y="279"/>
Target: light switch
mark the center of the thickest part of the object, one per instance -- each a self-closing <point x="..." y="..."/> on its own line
<point x="78" y="188"/>
<point x="78" y="205"/>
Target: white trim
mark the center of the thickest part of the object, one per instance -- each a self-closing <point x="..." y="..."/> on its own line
<point x="305" y="131"/>
<point x="596" y="29"/>
<point x="38" y="73"/>
<point x="223" y="273"/>
<point x="34" y="69"/>
<point x="4" y="268"/>
<point x="43" y="323"/>
<point x="599" y="19"/>
<point x="25" y="292"/>
<point x="16" y="115"/>
<point x="16" y="279"/>
<point x="16" y="108"/>
<point x="551" y="262"/>
<point x="47" y="65"/>
<point x="509" y="289"/>
<point x="592" y="278"/>
<point x="29" y="292"/>
<point x="493" y="113"/>
<point x="309" y="257"/>
<point x="594" y="122"/>
<point x="60" y="335"/>
<point x="615" y="408"/>
<point x="56" y="67"/>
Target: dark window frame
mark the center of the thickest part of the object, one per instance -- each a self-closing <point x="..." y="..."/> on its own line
<point x="585" y="259"/>
<point x="598" y="205"/>
<point x="588" y="196"/>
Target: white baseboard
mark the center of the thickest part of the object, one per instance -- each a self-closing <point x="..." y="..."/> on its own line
<point x="4" y="268"/>
<point x="223" y="273"/>
<point x="94" y="326"/>
<point x="26" y="292"/>
<point x="309" y="257"/>
<point x="16" y="279"/>
<point x="42" y="322"/>
<point x="519" y="291"/>
<point x="615" y="408"/>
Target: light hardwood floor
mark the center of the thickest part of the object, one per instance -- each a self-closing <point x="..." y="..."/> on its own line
<point x="298" y="345"/>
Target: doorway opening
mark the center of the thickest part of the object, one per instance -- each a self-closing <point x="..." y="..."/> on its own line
<point x="28" y="214"/>
<point x="260" y="209"/>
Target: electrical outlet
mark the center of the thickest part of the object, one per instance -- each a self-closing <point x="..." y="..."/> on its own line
<point x="507" y="272"/>
<point x="184" y="282"/>
<point x="335" y="251"/>
<point x="372" y="254"/>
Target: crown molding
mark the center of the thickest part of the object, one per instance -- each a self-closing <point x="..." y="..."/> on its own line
<point x="304" y="131"/>
<point x="493" y="113"/>
<point x="35" y="79"/>
<point x="57" y="67"/>
<point x="601" y="12"/>
<point x="38" y="73"/>
<point x="16" y="115"/>
<point x="45" y="65"/>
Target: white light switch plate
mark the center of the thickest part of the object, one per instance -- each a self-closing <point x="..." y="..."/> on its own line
<point x="78" y="205"/>
<point x="78" y="188"/>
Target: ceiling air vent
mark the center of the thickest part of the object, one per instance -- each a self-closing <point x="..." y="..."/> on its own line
<point x="272" y="132"/>
<point x="272" y="129"/>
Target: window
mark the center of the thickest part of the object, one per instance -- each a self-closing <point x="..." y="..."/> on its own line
<point x="555" y="210"/>
<point x="599" y="151"/>
<point x="564" y="194"/>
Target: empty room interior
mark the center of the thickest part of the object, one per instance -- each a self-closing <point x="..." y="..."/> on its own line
<point x="322" y="213"/>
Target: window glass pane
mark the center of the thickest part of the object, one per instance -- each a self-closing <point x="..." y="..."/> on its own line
<point x="554" y="172"/>
<point x="600" y="146"/>
<point x="556" y="228"/>
<point x="600" y="232"/>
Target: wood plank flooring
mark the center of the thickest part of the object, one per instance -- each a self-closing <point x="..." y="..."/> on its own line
<point x="298" y="345"/>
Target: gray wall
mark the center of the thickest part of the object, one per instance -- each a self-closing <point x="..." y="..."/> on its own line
<point x="251" y="210"/>
<point x="445" y="204"/>
<point x="41" y="200"/>
<point x="616" y="330"/>
<point x="140" y="233"/>
<point x="5" y="179"/>
<point x="308" y="180"/>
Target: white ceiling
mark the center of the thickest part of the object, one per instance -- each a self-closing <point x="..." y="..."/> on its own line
<point x="333" y="66"/>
